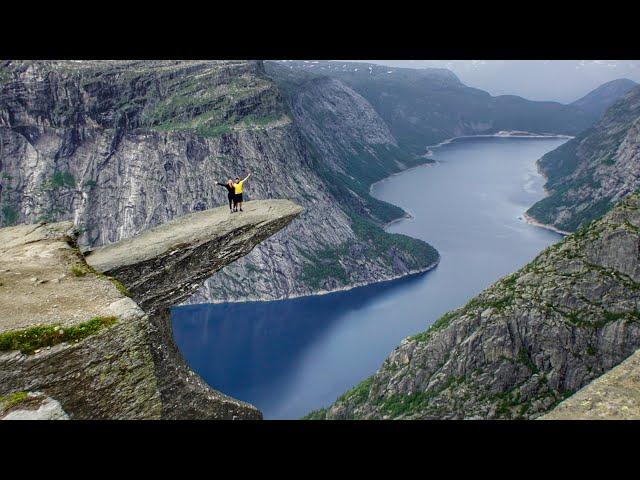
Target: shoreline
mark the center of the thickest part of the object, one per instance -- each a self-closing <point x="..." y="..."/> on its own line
<point x="428" y="163"/>
<point x="406" y="216"/>
<point x="346" y="288"/>
<point x="532" y="221"/>
<point x="505" y="134"/>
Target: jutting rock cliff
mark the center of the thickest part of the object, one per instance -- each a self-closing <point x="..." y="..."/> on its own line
<point x="95" y="337"/>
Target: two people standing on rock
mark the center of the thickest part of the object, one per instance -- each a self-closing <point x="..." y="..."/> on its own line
<point x="234" y="192"/>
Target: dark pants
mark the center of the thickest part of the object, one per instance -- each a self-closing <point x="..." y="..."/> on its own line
<point x="232" y="200"/>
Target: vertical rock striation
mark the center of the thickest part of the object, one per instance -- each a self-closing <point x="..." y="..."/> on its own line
<point x="118" y="147"/>
<point x="615" y="395"/>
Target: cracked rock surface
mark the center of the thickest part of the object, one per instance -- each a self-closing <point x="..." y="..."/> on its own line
<point x="163" y="266"/>
<point x="35" y="406"/>
<point x="613" y="396"/>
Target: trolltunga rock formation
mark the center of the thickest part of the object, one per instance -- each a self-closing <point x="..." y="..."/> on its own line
<point x="94" y="334"/>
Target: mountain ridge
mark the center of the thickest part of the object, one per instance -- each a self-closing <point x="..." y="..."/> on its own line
<point x="121" y="146"/>
<point x="599" y="99"/>
<point x="588" y="174"/>
<point x="524" y="344"/>
<point x="427" y="106"/>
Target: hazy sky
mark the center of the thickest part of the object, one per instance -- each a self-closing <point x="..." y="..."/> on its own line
<point x="560" y="80"/>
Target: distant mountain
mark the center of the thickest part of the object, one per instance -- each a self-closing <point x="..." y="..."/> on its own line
<point x="555" y="80"/>
<point x="426" y="106"/>
<point x="597" y="101"/>
<point x="588" y="174"/>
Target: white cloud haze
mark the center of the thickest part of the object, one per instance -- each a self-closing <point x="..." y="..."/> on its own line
<point x="559" y="80"/>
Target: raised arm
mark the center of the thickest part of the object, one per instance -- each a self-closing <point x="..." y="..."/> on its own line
<point x="245" y="178"/>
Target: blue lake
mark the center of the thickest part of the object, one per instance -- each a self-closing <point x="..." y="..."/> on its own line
<point x="293" y="356"/>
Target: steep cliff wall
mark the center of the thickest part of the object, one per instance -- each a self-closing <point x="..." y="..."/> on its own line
<point x="615" y="395"/>
<point x="354" y="143"/>
<point x="121" y="146"/>
<point x="524" y="344"/>
<point x="102" y="346"/>
<point x="587" y="175"/>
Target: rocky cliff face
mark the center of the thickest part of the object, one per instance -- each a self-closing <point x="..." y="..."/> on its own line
<point x="332" y="115"/>
<point x="589" y="174"/>
<point x="354" y="143"/>
<point x="524" y="344"/>
<point x="100" y="346"/>
<point x="121" y="146"/>
<point x="191" y="248"/>
<point x="615" y="395"/>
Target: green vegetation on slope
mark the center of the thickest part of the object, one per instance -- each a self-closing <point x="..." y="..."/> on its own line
<point x="356" y="395"/>
<point x="550" y="294"/>
<point x="421" y="253"/>
<point x="31" y="339"/>
<point x="559" y="165"/>
<point x="587" y="172"/>
<point x="367" y="215"/>
<point x="62" y="179"/>
<point x="324" y="264"/>
<point x="10" y="215"/>
<point x="380" y="245"/>
<point x="11" y="400"/>
<point x="349" y="169"/>
<point x="207" y="107"/>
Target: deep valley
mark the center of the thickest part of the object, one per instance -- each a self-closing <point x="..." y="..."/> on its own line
<point x="392" y="233"/>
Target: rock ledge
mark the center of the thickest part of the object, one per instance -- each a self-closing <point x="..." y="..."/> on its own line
<point x="130" y="369"/>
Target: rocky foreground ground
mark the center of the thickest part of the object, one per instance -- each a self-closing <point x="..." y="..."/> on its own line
<point x="93" y="340"/>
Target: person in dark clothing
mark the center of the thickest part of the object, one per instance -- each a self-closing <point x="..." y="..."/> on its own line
<point x="230" y="194"/>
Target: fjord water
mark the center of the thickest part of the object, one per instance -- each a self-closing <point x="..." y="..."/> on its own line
<point x="293" y="356"/>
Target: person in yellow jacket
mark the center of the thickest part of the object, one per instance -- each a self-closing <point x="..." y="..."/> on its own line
<point x="238" y="184"/>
